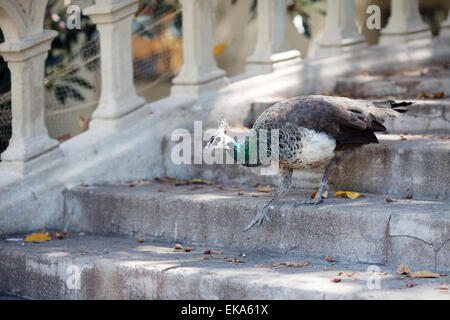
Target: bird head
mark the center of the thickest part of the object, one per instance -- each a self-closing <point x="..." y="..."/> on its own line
<point x="220" y="140"/>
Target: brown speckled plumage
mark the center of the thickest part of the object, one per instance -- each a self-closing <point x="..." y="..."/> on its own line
<point x="319" y="131"/>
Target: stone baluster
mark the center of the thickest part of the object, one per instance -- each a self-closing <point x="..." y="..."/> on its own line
<point x="272" y="48"/>
<point x="405" y="23"/>
<point x="199" y="72"/>
<point x="445" y="27"/>
<point x="118" y="93"/>
<point x="25" y="51"/>
<point x="340" y="34"/>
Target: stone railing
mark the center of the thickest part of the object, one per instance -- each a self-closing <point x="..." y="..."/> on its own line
<point x="32" y="151"/>
<point x="27" y="43"/>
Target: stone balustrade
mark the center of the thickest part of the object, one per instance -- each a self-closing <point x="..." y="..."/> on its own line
<point x="27" y="43"/>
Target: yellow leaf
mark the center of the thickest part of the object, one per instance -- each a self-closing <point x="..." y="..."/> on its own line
<point x="200" y="181"/>
<point x="348" y="194"/>
<point x="266" y="189"/>
<point x="423" y="274"/>
<point x="38" y="237"/>
<point x="219" y="49"/>
<point x="403" y="268"/>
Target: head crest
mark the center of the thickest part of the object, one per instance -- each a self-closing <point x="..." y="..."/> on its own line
<point x="223" y="125"/>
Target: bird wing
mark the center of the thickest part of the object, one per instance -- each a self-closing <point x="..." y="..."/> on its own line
<point x="350" y="122"/>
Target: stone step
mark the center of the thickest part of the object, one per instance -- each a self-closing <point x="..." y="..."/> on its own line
<point x="419" y="165"/>
<point x="403" y="85"/>
<point x="424" y="116"/>
<point x="365" y="230"/>
<point x="93" y="267"/>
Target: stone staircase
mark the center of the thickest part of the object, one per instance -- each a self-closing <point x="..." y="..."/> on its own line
<point x="105" y="221"/>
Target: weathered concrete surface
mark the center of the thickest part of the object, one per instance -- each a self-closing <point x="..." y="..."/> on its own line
<point x="122" y="268"/>
<point x="417" y="165"/>
<point x="406" y="84"/>
<point x="350" y="230"/>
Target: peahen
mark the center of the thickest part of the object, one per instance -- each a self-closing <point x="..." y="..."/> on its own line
<point x="313" y="131"/>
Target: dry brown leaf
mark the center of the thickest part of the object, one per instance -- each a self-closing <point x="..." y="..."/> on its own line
<point x="423" y="274"/>
<point x="409" y="196"/>
<point x="324" y="195"/>
<point x="389" y="200"/>
<point x="336" y="280"/>
<point x="424" y="95"/>
<point x="403" y="269"/>
<point x="439" y="95"/>
<point x="200" y="181"/>
<point x="140" y="240"/>
<point x="178" y="247"/>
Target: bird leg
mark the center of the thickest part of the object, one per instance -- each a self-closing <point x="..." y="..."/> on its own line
<point x="283" y="189"/>
<point x="318" y="198"/>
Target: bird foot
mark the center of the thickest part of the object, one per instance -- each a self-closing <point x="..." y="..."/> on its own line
<point x="258" y="219"/>
<point x="310" y="201"/>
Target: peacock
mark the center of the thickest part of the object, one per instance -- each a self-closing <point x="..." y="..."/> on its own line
<point x="313" y="131"/>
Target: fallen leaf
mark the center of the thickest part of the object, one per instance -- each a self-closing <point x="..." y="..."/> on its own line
<point x="324" y="195"/>
<point x="266" y="189"/>
<point x="329" y="259"/>
<point x="200" y="181"/>
<point x="160" y="190"/>
<point x="336" y="280"/>
<point x="424" y="95"/>
<point x="255" y="185"/>
<point x="439" y="95"/>
<point x="409" y="196"/>
<point x="389" y="200"/>
<point x="219" y="187"/>
<point x="403" y="269"/>
<point x="38" y="237"/>
<point x="140" y="240"/>
<point x="423" y="274"/>
<point x="348" y="194"/>
<point x="131" y="185"/>
<point x="207" y="251"/>
<point x="188" y="249"/>
<point x="178" y="247"/>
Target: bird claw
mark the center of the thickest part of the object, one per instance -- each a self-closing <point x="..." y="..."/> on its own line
<point x="258" y="220"/>
<point x="311" y="201"/>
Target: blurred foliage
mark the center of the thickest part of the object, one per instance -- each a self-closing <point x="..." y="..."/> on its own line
<point x="295" y="8"/>
<point x="68" y="85"/>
